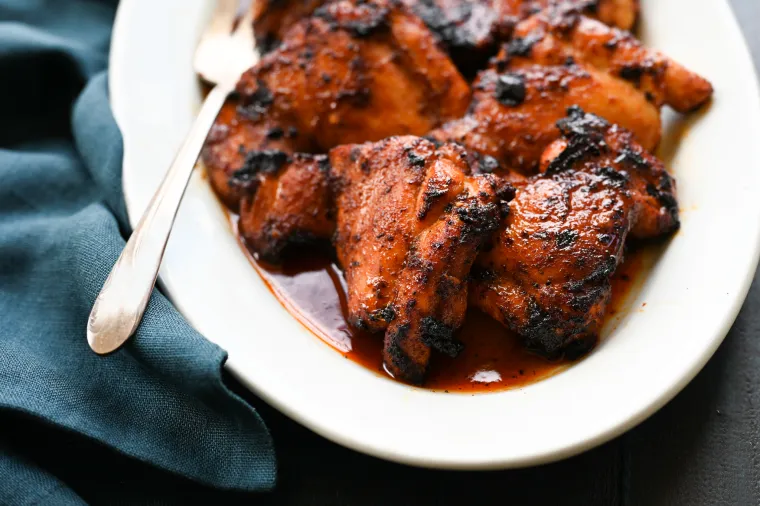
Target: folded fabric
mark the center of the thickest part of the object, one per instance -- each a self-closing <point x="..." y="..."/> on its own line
<point x="159" y="403"/>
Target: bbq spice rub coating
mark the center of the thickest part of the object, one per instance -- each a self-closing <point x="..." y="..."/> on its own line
<point x="469" y="30"/>
<point x="517" y="196"/>
<point x="351" y="73"/>
<point x="547" y="274"/>
<point x="411" y="221"/>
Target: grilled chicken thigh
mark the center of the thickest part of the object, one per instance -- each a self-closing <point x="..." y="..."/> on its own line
<point x="559" y="59"/>
<point x="410" y="222"/>
<point x="356" y="73"/>
<point x="547" y="273"/>
<point x="351" y="73"/>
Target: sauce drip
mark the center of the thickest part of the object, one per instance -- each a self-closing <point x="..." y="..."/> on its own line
<point x="313" y="290"/>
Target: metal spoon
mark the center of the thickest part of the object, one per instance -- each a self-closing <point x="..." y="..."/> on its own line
<point x="225" y="51"/>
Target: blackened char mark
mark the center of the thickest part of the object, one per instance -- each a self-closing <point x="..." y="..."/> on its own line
<point x="257" y="104"/>
<point x="632" y="158"/>
<point x="523" y="46"/>
<point x="438" y="22"/>
<point x="436" y="143"/>
<point x="510" y="89"/>
<point x="257" y="162"/>
<point x="275" y="133"/>
<point x="373" y="20"/>
<point x="566" y="238"/>
<point x="599" y="276"/>
<point x="386" y="314"/>
<point x="579" y="123"/>
<point x="480" y="220"/>
<point x="578" y="149"/>
<point x="459" y="27"/>
<point x="409" y="370"/>
<point x="666" y="199"/>
<point x="615" y="178"/>
<point x="585" y="135"/>
<point x="323" y="162"/>
<point x="415" y="160"/>
<point x="466" y="29"/>
<point x="288" y="246"/>
<point x="429" y="198"/>
<point x="632" y="73"/>
<point x="439" y="336"/>
<point x="584" y="301"/>
<point x="541" y="336"/>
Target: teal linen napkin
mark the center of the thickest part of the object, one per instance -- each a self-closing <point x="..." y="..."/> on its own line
<point x="158" y="405"/>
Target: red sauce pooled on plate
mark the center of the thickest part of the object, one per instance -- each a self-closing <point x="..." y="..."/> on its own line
<point x="313" y="290"/>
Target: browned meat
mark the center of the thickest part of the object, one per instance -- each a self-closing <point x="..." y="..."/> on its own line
<point x="354" y="74"/>
<point x="410" y="216"/>
<point x="232" y="138"/>
<point x="469" y="29"/>
<point x="286" y="202"/>
<point x="349" y="74"/>
<point x="410" y="222"/>
<point x="472" y="29"/>
<point x="514" y="113"/>
<point x="547" y="275"/>
<point x="557" y="35"/>
<point x="560" y="59"/>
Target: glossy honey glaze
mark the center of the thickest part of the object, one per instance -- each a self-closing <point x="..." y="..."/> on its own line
<point x="312" y="288"/>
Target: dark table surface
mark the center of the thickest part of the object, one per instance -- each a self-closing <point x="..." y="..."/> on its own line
<point x="702" y="448"/>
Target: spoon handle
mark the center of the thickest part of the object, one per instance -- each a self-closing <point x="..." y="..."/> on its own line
<point x="121" y="303"/>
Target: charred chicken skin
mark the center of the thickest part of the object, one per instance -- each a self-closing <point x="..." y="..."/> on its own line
<point x="351" y="73"/>
<point x="520" y="198"/>
<point x="472" y="30"/>
<point x="558" y="59"/>
<point x="469" y="29"/>
<point x="547" y="274"/>
<point x="410" y="223"/>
